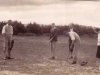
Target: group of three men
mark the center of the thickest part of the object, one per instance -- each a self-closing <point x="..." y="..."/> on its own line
<point x="74" y="41"/>
<point x="7" y="32"/>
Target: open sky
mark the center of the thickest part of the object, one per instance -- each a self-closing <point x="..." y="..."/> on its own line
<point x="60" y="12"/>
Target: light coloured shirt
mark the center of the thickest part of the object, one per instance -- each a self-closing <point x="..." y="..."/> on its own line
<point x="7" y="29"/>
<point x="74" y="36"/>
<point x="98" y="39"/>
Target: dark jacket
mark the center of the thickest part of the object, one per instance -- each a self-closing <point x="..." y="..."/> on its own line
<point x="53" y="34"/>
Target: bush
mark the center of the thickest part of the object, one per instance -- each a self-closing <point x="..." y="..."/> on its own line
<point x="36" y="29"/>
<point x="18" y="27"/>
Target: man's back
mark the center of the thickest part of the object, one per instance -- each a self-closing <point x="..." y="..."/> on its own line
<point x="77" y="37"/>
<point x="74" y="36"/>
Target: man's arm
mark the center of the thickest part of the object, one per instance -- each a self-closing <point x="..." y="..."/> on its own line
<point x="11" y="30"/>
<point x="3" y="30"/>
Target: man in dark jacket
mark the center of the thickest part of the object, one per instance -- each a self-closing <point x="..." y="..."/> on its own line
<point x="53" y="39"/>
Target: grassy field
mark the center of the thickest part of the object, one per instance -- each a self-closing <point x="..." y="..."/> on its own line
<point x="31" y="57"/>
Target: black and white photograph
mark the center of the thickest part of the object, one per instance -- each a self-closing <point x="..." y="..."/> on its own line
<point x="49" y="37"/>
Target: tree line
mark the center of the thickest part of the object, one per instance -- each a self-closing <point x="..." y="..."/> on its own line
<point x="38" y="29"/>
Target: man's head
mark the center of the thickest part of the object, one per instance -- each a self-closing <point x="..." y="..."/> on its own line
<point x="53" y="25"/>
<point x="9" y="22"/>
<point x="71" y="26"/>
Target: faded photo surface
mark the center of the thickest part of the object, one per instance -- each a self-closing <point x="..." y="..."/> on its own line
<point x="49" y="37"/>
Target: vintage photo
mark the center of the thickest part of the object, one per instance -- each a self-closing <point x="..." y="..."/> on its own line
<point x="49" y="37"/>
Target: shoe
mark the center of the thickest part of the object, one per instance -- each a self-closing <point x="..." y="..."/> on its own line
<point x="9" y="58"/>
<point x="74" y="62"/>
<point x="52" y="58"/>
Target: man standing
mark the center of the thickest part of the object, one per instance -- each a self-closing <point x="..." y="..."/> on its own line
<point x="98" y="45"/>
<point x="53" y="39"/>
<point x="75" y="41"/>
<point x="7" y="32"/>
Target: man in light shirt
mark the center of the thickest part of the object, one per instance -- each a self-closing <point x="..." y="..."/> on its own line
<point x="75" y="40"/>
<point x="98" y="45"/>
<point x="7" y="32"/>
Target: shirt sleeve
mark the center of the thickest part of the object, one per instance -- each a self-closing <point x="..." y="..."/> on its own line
<point x="71" y="34"/>
<point x="3" y="30"/>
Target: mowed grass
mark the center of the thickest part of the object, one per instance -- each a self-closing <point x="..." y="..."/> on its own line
<point x="31" y="57"/>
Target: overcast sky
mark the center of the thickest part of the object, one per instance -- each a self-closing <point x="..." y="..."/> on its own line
<point x="48" y="11"/>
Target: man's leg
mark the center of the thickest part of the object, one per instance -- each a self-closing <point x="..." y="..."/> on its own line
<point x="4" y="51"/>
<point x="53" y="49"/>
<point x="9" y="53"/>
<point x="70" y="55"/>
<point x="75" y="53"/>
<point x="5" y="48"/>
<point x="9" y="49"/>
<point x="74" y="58"/>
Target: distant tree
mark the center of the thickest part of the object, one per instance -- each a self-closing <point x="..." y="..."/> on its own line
<point x="45" y="29"/>
<point x="18" y="27"/>
<point x="62" y="29"/>
<point x="34" y="28"/>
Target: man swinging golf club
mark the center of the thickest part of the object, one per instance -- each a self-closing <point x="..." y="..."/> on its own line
<point x="75" y="42"/>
